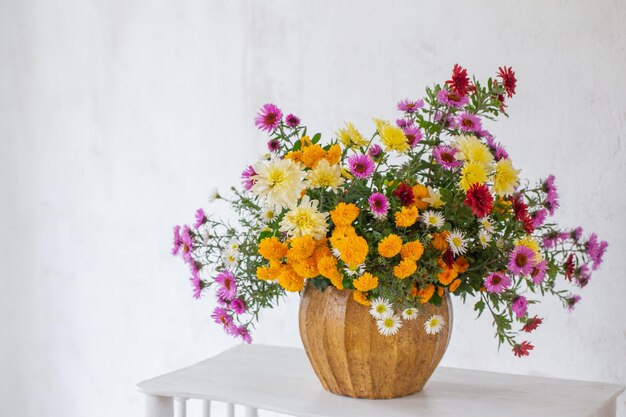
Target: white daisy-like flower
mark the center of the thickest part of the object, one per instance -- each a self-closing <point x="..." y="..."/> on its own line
<point x="434" y="324"/>
<point x="410" y="313"/>
<point x="389" y="325"/>
<point x="278" y="183"/>
<point x="457" y="242"/>
<point x="358" y="271"/>
<point x="486" y="224"/>
<point x="381" y="308"/>
<point x="325" y="176"/>
<point x="433" y="219"/>
<point x="233" y="246"/>
<point x="305" y="219"/>
<point x="214" y="195"/>
<point x="336" y="253"/>
<point x="268" y="216"/>
<point x="484" y="238"/>
<point x="434" y="198"/>
<point x="231" y="259"/>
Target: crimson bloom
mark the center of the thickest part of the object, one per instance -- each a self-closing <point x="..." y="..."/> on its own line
<point x="459" y="82"/>
<point x="532" y="324"/>
<point x="522" y="349"/>
<point x="405" y="193"/>
<point x="479" y="199"/>
<point x="508" y="80"/>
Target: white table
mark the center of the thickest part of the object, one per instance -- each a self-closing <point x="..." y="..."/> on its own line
<point x="282" y="380"/>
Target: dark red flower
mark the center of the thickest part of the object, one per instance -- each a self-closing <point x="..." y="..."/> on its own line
<point x="479" y="199"/>
<point x="521" y="214"/>
<point x="532" y="324"/>
<point x="448" y="258"/>
<point x="508" y="80"/>
<point x="405" y="193"/>
<point x="522" y="349"/>
<point x="459" y="82"/>
<point x="569" y="267"/>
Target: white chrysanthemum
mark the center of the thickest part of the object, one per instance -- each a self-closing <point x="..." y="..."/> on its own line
<point x="434" y="198"/>
<point x="214" y="195"/>
<point x="268" y="216"/>
<point x="433" y="219"/>
<point x="231" y="258"/>
<point x="278" y="183"/>
<point x="457" y="242"/>
<point x="484" y="238"/>
<point x="486" y="224"/>
<point x="358" y="271"/>
<point x="410" y="313"/>
<point x="434" y="324"/>
<point x="233" y="246"/>
<point x="381" y="308"/>
<point x="305" y="219"/>
<point x="325" y="176"/>
<point x="389" y="325"/>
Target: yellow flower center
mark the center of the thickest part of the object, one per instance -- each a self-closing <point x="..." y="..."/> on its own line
<point x="388" y="322"/>
<point x="433" y="323"/>
<point x="303" y="220"/>
<point x="275" y="177"/>
<point x="456" y="241"/>
<point x="381" y="309"/>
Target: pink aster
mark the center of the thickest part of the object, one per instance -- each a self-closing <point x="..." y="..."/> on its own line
<point x="571" y="301"/>
<point x="200" y="218"/>
<point x="539" y="217"/>
<point x="582" y="275"/>
<point x="497" y="282"/>
<point x="445" y="156"/>
<point x="268" y="118"/>
<point x="468" y="122"/>
<point x="228" y="285"/>
<point x="378" y="205"/>
<point x="187" y="244"/>
<point x="375" y="151"/>
<point x="238" y="306"/>
<point x="452" y="99"/>
<point x="497" y="150"/>
<point x="596" y="250"/>
<point x="576" y="234"/>
<point x="361" y="166"/>
<point x="448" y="123"/>
<point x="292" y="120"/>
<point x="521" y="260"/>
<point x="551" y="239"/>
<point x="177" y="241"/>
<point x="404" y="122"/>
<point x="273" y="145"/>
<point x="220" y="316"/>
<point x="247" y="175"/>
<point x="410" y="106"/>
<point x="519" y="306"/>
<point x="538" y="272"/>
<point x="242" y="331"/>
<point x="197" y="285"/>
<point x="413" y="135"/>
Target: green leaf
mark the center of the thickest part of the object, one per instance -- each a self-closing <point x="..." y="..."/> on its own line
<point x="480" y="307"/>
<point x="316" y="138"/>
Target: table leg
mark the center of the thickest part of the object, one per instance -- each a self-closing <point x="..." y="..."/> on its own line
<point x="250" y="412"/>
<point x="206" y="408"/>
<point x="180" y="407"/>
<point x="156" y="406"/>
<point x="608" y="410"/>
<point x="230" y="410"/>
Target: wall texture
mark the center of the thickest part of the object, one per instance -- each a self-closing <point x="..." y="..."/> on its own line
<point x="117" y="118"/>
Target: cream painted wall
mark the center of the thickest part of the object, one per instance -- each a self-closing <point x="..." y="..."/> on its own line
<point x="117" y="118"/>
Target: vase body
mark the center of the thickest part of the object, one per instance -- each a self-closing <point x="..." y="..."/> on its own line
<point x="351" y="358"/>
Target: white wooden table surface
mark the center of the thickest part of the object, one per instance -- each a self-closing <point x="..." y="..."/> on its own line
<point x="282" y="380"/>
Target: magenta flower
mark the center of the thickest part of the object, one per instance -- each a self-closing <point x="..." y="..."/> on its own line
<point x="571" y="301"/>
<point x="197" y="285"/>
<point x="538" y="272"/>
<point x="582" y="275"/>
<point x="220" y="316"/>
<point x="410" y="106"/>
<point x="228" y="285"/>
<point x="413" y="135"/>
<point x="238" y="306"/>
<point x="242" y="332"/>
<point x="187" y="244"/>
<point x="445" y="156"/>
<point x="521" y="260"/>
<point x="292" y="120"/>
<point x="177" y="241"/>
<point x="595" y="250"/>
<point x="496" y="149"/>
<point x="576" y="234"/>
<point x="539" y="217"/>
<point x="497" y="282"/>
<point x="468" y="122"/>
<point x="361" y="166"/>
<point x="379" y="205"/>
<point x="404" y="122"/>
<point x="519" y="306"/>
<point x="200" y="218"/>
<point x="268" y="118"/>
<point x="551" y="239"/>
<point x="552" y="196"/>
<point x="375" y="151"/>
<point x="451" y="99"/>
<point x="247" y="175"/>
<point x="273" y="145"/>
<point x="449" y="122"/>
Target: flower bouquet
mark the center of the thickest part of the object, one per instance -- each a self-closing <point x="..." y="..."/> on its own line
<point x="425" y="206"/>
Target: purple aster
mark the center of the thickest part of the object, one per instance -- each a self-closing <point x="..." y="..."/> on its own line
<point x="571" y="301"/>
<point x="220" y="316"/>
<point x="200" y="218"/>
<point x="187" y="244"/>
<point x="238" y="306"/>
<point x="375" y="151"/>
<point x="242" y="332"/>
<point x="247" y="175"/>
<point x="197" y="285"/>
<point x="273" y="145"/>
<point x="292" y="120"/>
<point x="449" y="122"/>
<point x="539" y="217"/>
<point x="404" y="122"/>
<point x="582" y="275"/>
<point x="469" y="122"/>
<point x="497" y="282"/>
<point x="221" y="301"/>
<point x="539" y="272"/>
<point x="595" y="250"/>
<point x="550" y="239"/>
<point x="445" y="156"/>
<point x="378" y="205"/>
<point x="552" y="196"/>
<point x="452" y="99"/>
<point x="410" y="106"/>
<point x="361" y="166"/>
<point x="413" y="135"/>
<point x="576" y="234"/>
<point x="519" y="306"/>
<point x="496" y="149"/>
<point x="228" y="285"/>
<point x="268" y="118"/>
<point x="177" y="241"/>
<point x="521" y="260"/>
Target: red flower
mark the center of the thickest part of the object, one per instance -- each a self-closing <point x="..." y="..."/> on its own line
<point x="448" y="258"/>
<point x="459" y="82"/>
<point x="569" y="267"/>
<point x="522" y="349"/>
<point x="508" y="80"/>
<point x="532" y="324"/>
<point x="405" y="193"/>
<point x="521" y="214"/>
<point x="479" y="199"/>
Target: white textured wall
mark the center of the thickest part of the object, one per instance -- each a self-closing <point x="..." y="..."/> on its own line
<point x="117" y="117"/>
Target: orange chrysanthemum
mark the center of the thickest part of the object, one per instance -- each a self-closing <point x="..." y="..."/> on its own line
<point x="301" y="248"/>
<point x="272" y="248"/>
<point x="405" y="268"/>
<point x="270" y="272"/>
<point x="306" y="268"/>
<point x="365" y="282"/>
<point x="439" y="241"/>
<point x="455" y="284"/>
<point x="461" y="265"/>
<point x="327" y="266"/>
<point x="340" y="234"/>
<point x="406" y="217"/>
<point x="426" y="293"/>
<point x="419" y="192"/>
<point x="289" y="280"/>
<point x="353" y="251"/>
<point x="344" y="214"/>
<point x="412" y="250"/>
<point x="295" y="156"/>
<point x="440" y="291"/>
<point x="311" y="155"/>
<point x="446" y="276"/>
<point x="360" y="298"/>
<point x="333" y="154"/>
<point x="390" y="246"/>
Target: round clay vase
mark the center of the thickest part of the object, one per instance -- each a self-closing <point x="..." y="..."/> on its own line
<point x="351" y="358"/>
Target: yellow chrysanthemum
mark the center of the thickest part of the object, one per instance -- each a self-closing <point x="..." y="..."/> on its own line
<point x="506" y="178"/>
<point x="333" y="154"/>
<point x="380" y="123"/>
<point x="289" y="280"/>
<point x="390" y="246"/>
<point x="325" y="176"/>
<point x="406" y="217"/>
<point x="412" y="250"/>
<point x="302" y="247"/>
<point x="434" y="198"/>
<point x="426" y="293"/>
<point x="272" y="248"/>
<point x="365" y="282"/>
<point x="455" y="284"/>
<point x="344" y="214"/>
<point x="350" y="136"/>
<point x="420" y="192"/>
<point x="353" y="251"/>
<point x="473" y="173"/>
<point x="360" y="298"/>
<point x="471" y="149"/>
<point x="305" y="219"/>
<point x="394" y="139"/>
<point x="405" y="268"/>
<point x="311" y="155"/>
